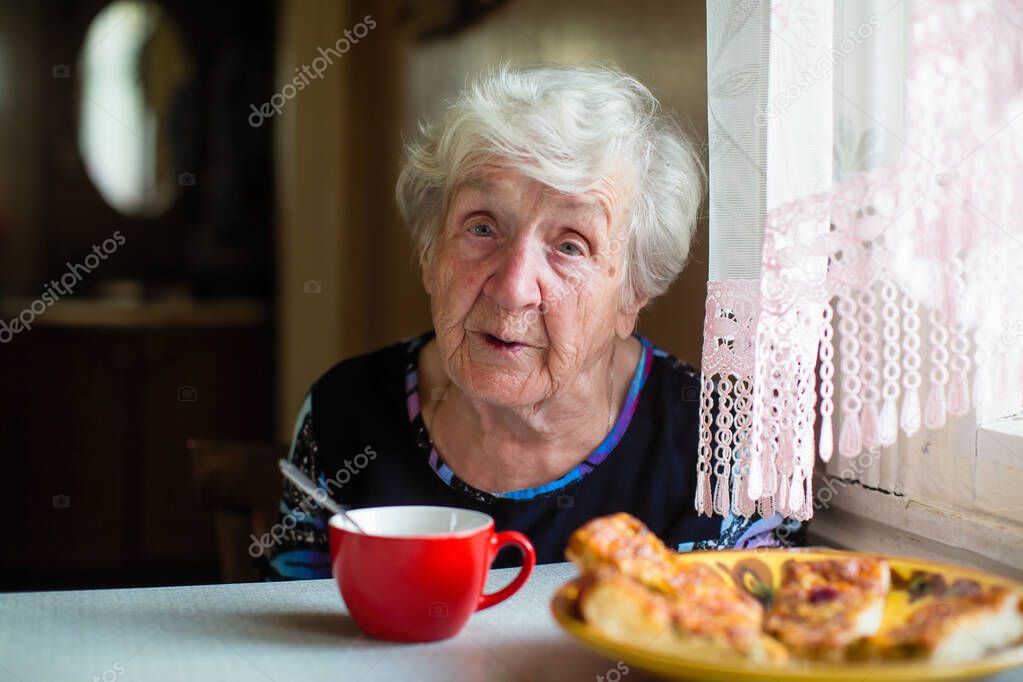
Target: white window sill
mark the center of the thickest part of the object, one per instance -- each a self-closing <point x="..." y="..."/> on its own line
<point x="988" y="537"/>
<point x="998" y="474"/>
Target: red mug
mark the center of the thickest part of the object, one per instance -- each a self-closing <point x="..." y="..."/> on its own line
<point x="417" y="573"/>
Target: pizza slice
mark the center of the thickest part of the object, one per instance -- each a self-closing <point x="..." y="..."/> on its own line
<point x="624" y="609"/>
<point x="822" y="606"/>
<point x="623" y="542"/>
<point x="635" y="589"/>
<point x="954" y="629"/>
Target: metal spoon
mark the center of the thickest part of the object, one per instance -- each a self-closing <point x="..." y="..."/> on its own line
<point x="306" y="485"/>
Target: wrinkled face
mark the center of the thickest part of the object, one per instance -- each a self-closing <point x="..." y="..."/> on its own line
<point x="525" y="285"/>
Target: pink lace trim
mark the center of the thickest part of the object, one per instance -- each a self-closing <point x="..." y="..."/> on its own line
<point x="918" y="259"/>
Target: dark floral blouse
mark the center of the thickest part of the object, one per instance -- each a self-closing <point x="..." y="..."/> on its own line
<point x="360" y="436"/>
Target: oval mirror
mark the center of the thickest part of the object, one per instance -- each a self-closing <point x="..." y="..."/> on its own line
<point x="134" y="74"/>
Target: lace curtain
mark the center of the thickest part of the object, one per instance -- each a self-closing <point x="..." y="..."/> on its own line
<point x="866" y="243"/>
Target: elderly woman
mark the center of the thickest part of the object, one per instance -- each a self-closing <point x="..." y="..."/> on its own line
<point x="548" y="208"/>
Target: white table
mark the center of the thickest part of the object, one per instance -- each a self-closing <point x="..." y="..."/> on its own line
<point x="282" y="631"/>
<point x="278" y="632"/>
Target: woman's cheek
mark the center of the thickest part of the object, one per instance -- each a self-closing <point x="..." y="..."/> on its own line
<point x="449" y="280"/>
<point x="582" y="314"/>
<point x="561" y="317"/>
<point x="456" y="293"/>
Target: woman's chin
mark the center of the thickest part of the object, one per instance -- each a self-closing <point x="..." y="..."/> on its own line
<point x="502" y="389"/>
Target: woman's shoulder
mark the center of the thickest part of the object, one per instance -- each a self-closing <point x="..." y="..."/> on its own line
<point x="359" y="402"/>
<point x="668" y="411"/>
<point x="365" y="393"/>
<point x="375" y="368"/>
<point x="676" y="381"/>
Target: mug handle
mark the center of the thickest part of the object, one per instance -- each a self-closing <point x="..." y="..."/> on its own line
<point x="497" y="541"/>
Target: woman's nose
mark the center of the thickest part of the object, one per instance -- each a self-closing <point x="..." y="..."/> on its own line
<point x="515" y="281"/>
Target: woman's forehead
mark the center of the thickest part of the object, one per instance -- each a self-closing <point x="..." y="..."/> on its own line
<point x="509" y="186"/>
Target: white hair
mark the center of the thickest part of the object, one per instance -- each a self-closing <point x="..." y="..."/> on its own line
<point x="569" y="127"/>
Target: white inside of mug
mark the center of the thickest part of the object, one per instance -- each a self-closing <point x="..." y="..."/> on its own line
<point x="414" y="521"/>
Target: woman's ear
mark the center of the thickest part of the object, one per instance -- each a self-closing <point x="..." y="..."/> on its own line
<point x="426" y="270"/>
<point x="625" y="324"/>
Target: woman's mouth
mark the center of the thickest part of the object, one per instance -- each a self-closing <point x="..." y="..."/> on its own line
<point x="498" y="343"/>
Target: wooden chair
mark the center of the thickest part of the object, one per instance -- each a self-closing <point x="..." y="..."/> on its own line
<point x="240" y="484"/>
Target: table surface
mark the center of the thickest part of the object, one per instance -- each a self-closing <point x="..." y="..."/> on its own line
<point x="278" y="632"/>
<point x="283" y="631"/>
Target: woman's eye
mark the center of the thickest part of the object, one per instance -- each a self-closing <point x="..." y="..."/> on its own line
<point x="481" y="230"/>
<point x="570" y="249"/>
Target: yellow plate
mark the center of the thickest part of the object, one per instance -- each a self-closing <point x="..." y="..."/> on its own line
<point x="915" y="583"/>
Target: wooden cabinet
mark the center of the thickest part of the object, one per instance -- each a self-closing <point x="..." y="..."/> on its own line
<point x="97" y="407"/>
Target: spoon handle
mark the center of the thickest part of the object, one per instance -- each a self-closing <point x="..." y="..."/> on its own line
<point x="318" y="495"/>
